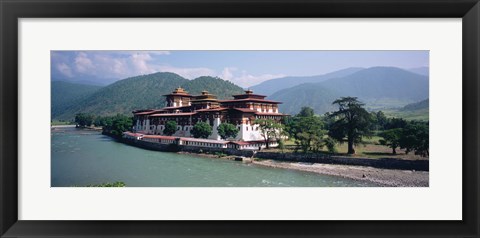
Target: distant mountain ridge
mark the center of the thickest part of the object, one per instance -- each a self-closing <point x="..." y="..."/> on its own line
<point x="377" y="87"/>
<point x="143" y="92"/>
<point x="271" y="86"/>
<point x="421" y="70"/>
<point x="382" y="82"/>
<point x="65" y="94"/>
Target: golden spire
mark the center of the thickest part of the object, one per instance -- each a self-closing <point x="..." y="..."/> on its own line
<point x="179" y="90"/>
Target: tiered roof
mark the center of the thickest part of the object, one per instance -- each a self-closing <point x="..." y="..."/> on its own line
<point x="205" y="96"/>
<point x="179" y="92"/>
<point x="248" y="96"/>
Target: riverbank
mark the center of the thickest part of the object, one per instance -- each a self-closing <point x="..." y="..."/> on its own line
<point x="62" y="126"/>
<point x="80" y="158"/>
<point x="55" y="127"/>
<point x="385" y="172"/>
<point x="384" y="177"/>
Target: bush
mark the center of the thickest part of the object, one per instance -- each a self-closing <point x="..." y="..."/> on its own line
<point x="202" y="130"/>
<point x="170" y="128"/>
<point x="330" y="144"/>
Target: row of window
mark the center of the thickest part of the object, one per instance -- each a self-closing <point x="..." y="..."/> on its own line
<point x="194" y="143"/>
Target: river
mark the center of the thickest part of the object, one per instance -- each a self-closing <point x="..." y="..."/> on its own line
<point x="82" y="157"/>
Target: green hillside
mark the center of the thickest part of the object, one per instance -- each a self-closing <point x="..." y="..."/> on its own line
<point x="144" y="92"/>
<point x="65" y="95"/>
<point x="123" y="96"/>
<point x="379" y="87"/>
<point x="413" y="111"/>
<point x="217" y="86"/>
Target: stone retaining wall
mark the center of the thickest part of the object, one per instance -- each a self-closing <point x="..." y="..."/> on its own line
<point x="384" y="163"/>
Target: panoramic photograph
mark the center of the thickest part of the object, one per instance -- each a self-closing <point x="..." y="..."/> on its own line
<point x="223" y="118"/>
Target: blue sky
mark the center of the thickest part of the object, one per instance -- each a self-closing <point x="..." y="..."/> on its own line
<point x="245" y="68"/>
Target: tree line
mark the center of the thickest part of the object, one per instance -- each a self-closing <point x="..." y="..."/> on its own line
<point x="350" y="124"/>
<point x="111" y="125"/>
<point x="116" y="125"/>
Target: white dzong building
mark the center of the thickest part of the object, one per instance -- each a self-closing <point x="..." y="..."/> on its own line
<point x="187" y="110"/>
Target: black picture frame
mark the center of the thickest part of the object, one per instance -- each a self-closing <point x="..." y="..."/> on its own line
<point x="12" y="10"/>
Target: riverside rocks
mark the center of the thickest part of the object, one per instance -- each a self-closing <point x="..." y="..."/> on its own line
<point x="384" y="177"/>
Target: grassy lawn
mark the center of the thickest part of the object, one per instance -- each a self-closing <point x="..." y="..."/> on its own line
<point x="376" y="151"/>
<point x="418" y="115"/>
<point x="371" y="149"/>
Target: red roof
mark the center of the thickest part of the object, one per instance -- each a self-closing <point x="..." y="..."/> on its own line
<point x="244" y="109"/>
<point x="179" y="94"/>
<point x="132" y="134"/>
<point x="147" y="112"/>
<point x="173" y="114"/>
<point x="212" y="109"/>
<point x="249" y="95"/>
<point x="250" y="100"/>
<point x="174" y="107"/>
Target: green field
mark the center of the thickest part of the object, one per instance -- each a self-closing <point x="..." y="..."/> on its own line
<point x="61" y="123"/>
<point x="419" y="115"/>
<point x="370" y="149"/>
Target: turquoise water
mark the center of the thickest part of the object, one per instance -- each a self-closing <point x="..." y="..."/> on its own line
<point x="82" y="157"/>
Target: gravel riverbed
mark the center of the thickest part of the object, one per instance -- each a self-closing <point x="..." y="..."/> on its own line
<point x="384" y="177"/>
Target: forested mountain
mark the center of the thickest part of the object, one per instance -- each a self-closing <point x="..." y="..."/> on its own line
<point x="309" y="94"/>
<point x="217" y="86"/>
<point x="274" y="85"/>
<point x="123" y="96"/>
<point x="143" y="92"/>
<point x="378" y="87"/>
<point x="416" y="106"/>
<point x="65" y="94"/>
<point x="382" y="82"/>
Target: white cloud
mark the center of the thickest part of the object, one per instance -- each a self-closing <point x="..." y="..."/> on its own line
<point x="105" y="65"/>
<point x="245" y="79"/>
<point x="227" y="73"/>
<point x="140" y="63"/>
<point x="125" y="64"/>
<point x="65" y="70"/>
<point x="110" y="67"/>
<point x="83" y="64"/>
